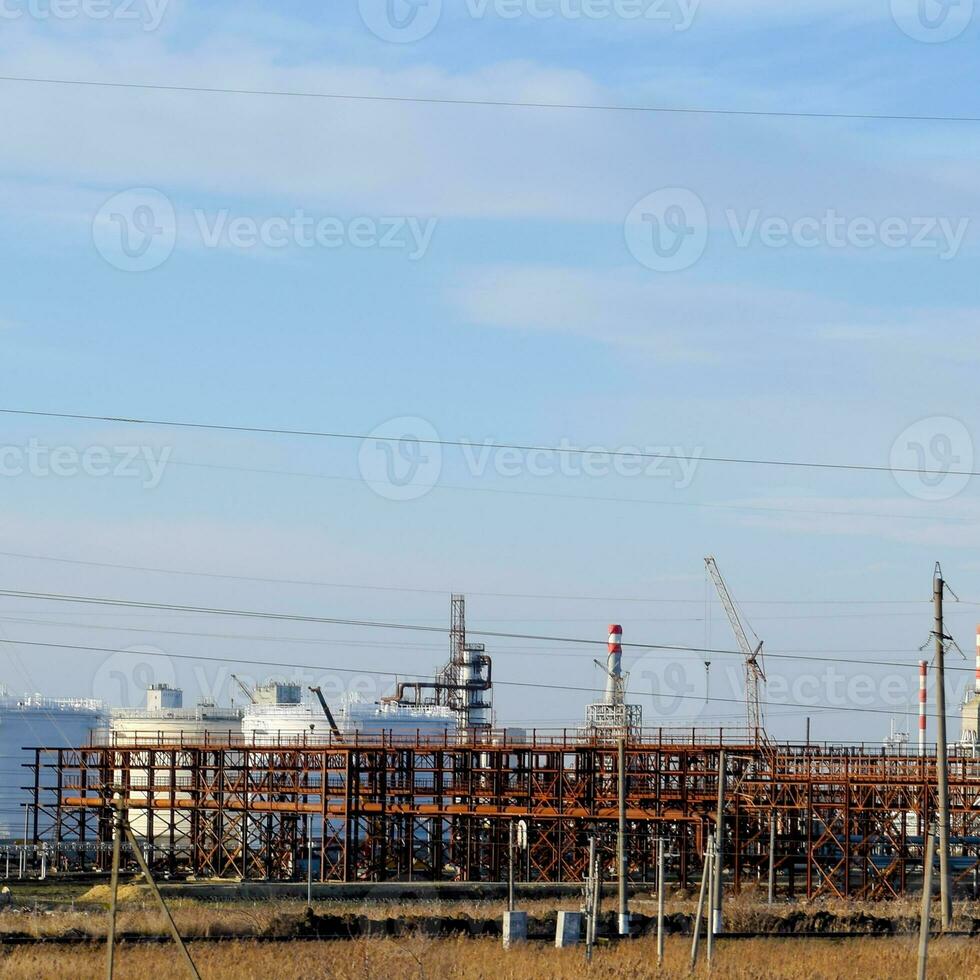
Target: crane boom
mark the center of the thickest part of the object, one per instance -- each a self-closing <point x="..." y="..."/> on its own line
<point x="244" y="688"/>
<point x="754" y="674"/>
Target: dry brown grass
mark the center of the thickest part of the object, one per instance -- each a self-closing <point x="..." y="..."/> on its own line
<point x="471" y="959"/>
<point x="138" y="913"/>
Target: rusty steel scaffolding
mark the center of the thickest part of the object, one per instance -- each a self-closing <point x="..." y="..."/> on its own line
<point x="849" y="822"/>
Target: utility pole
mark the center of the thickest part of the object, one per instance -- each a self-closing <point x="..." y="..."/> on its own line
<point x="942" y="762"/>
<point x="718" y="865"/>
<point x="929" y="852"/>
<point x="624" y="912"/>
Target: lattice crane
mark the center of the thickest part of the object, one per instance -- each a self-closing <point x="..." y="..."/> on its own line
<point x="755" y="675"/>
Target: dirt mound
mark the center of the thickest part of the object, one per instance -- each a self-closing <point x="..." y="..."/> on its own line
<point x="102" y="894"/>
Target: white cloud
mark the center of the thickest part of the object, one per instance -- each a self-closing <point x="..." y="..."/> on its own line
<point x="682" y="318"/>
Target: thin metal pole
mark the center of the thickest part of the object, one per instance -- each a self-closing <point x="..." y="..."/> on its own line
<point x="660" y="901"/>
<point x="771" y="896"/>
<point x="113" y="886"/>
<point x="589" y="901"/>
<point x="22" y="863"/>
<point x="942" y="765"/>
<point x="926" y="900"/>
<point x="709" y="925"/>
<point x="171" y="925"/>
<point x="597" y="899"/>
<point x="624" y="912"/>
<point x="510" y="866"/>
<point x="716" y="922"/>
<point x="705" y="876"/>
<point x="309" y="865"/>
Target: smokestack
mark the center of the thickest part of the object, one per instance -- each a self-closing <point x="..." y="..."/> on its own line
<point x="614" y="664"/>
<point x="923" y="665"/>
<point x="976" y="683"/>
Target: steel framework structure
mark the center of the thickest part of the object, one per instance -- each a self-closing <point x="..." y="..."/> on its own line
<point x="849" y="822"/>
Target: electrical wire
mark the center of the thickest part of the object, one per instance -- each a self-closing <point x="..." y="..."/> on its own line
<point x="444" y="592"/>
<point x="425" y="628"/>
<point x="374" y="672"/>
<point x="612" y="453"/>
<point x="492" y="103"/>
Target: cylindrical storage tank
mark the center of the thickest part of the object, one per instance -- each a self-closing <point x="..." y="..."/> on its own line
<point x="401" y="721"/>
<point x="284" y="724"/>
<point x="33" y="722"/>
<point x="165" y="736"/>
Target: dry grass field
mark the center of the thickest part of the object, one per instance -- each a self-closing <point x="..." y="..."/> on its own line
<point x="83" y="915"/>
<point x="469" y="959"/>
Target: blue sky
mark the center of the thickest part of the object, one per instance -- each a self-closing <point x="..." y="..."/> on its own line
<point x="531" y="310"/>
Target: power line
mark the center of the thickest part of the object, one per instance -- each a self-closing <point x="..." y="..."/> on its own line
<point x="391" y="673"/>
<point x="444" y="592"/>
<point x="643" y="501"/>
<point x="492" y="103"/>
<point x="418" y="627"/>
<point x="460" y="444"/>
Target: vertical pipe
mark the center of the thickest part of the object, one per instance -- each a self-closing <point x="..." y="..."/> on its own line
<point x="309" y="865"/>
<point x="660" y="901"/>
<point x="510" y="866"/>
<point x="942" y="762"/>
<point x="589" y="901"/>
<point x="716" y="924"/>
<point x="709" y="923"/>
<point x="624" y="913"/>
<point x="923" y="667"/>
<point x="597" y="897"/>
<point x="929" y="851"/>
<point x="771" y="894"/>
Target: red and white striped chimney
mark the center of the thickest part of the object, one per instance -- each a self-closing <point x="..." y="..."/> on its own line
<point x="923" y="666"/>
<point x="614" y="661"/>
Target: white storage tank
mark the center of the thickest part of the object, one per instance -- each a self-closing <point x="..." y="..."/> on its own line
<point x="268" y="722"/>
<point x="36" y="722"/>
<point x="165" y="719"/>
<point x="167" y="723"/>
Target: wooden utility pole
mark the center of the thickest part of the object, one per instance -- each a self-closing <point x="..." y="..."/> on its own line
<point x="942" y="761"/>
<point x="930" y="852"/>
<point x="624" y="912"/>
